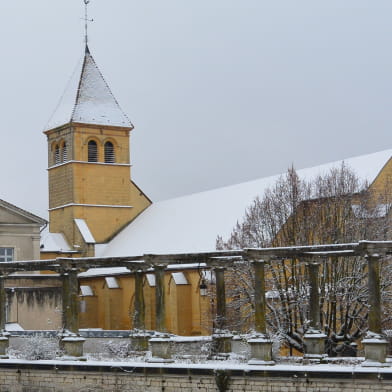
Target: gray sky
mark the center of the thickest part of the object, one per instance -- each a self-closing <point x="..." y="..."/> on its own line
<point x="219" y="91"/>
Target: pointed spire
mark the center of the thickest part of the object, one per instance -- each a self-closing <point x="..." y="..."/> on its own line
<point x="88" y="99"/>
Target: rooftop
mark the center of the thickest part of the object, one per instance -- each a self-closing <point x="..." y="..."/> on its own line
<point x="88" y="99"/>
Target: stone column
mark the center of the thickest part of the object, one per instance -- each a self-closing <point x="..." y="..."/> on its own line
<point x="314" y="339"/>
<point x="139" y="312"/>
<point x="70" y="301"/>
<point x="260" y="324"/>
<point x="139" y="337"/>
<point x="160" y="343"/>
<point x="160" y="311"/>
<point x="260" y="344"/>
<point x="4" y="341"/>
<point x="375" y="344"/>
<point x="71" y="343"/>
<point x="221" y="338"/>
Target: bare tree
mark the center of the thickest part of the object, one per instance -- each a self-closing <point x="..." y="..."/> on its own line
<point x="333" y="208"/>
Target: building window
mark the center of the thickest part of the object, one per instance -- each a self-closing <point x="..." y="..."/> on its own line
<point x="57" y="155"/>
<point x="109" y="153"/>
<point x="6" y="254"/>
<point x="64" y="153"/>
<point x="92" y="151"/>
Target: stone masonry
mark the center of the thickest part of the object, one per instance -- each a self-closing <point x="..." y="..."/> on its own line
<point x="61" y="377"/>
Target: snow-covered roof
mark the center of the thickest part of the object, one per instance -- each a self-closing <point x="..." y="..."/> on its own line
<point x="88" y="99"/>
<point x="191" y="223"/>
<point x="151" y="280"/>
<point x="86" y="291"/>
<point x="11" y="327"/>
<point x="85" y="231"/>
<point x="112" y="282"/>
<point x="92" y="272"/>
<point x="54" y="242"/>
<point x="179" y="278"/>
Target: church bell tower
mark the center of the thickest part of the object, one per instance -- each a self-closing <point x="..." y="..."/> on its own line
<point x="91" y="195"/>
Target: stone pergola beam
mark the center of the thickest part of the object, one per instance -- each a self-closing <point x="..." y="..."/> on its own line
<point x="61" y="263"/>
<point x="144" y="262"/>
<point x="188" y="258"/>
<point x="304" y="252"/>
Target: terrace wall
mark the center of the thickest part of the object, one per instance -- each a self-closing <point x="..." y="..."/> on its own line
<point x="60" y="377"/>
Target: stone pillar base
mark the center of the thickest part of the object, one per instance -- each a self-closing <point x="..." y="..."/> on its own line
<point x="261" y="350"/>
<point x="376" y="350"/>
<point x="139" y="340"/>
<point x="160" y="345"/>
<point x="221" y="344"/>
<point x="314" y="342"/>
<point x="72" y="347"/>
<point x="4" y="344"/>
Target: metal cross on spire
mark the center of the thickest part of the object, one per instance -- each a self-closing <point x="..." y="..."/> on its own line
<point x="86" y="20"/>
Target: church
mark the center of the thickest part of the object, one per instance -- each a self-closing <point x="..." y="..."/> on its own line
<point x="97" y="210"/>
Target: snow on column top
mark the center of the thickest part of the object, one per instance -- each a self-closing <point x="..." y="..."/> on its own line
<point x="88" y="99"/>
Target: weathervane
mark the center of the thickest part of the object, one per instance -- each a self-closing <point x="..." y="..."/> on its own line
<point x="86" y="20"/>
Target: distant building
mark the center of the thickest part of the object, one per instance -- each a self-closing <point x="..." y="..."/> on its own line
<point x="19" y="233"/>
<point x="32" y="298"/>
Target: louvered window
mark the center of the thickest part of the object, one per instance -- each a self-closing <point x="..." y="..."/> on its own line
<point x="64" y="153"/>
<point x="6" y="254"/>
<point x="57" y="155"/>
<point x="92" y="151"/>
<point x="109" y="153"/>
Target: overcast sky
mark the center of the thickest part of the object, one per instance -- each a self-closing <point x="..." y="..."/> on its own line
<point x="219" y="91"/>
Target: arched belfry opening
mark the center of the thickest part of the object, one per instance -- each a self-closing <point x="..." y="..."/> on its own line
<point x="92" y="151"/>
<point x="110" y="156"/>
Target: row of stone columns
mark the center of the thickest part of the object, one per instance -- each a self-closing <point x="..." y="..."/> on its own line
<point x="261" y="346"/>
<point x="72" y="344"/>
<point x="375" y="344"/>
